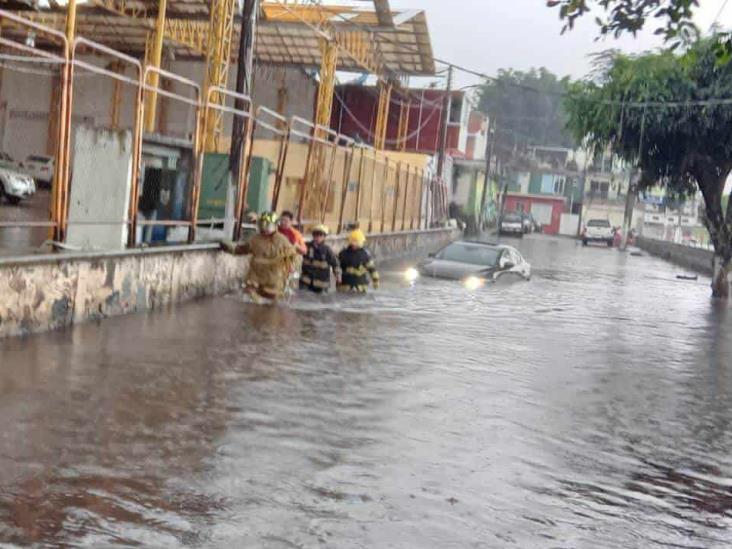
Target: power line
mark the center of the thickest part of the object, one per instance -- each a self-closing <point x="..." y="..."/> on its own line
<point x="371" y="135"/>
<point x="719" y="14"/>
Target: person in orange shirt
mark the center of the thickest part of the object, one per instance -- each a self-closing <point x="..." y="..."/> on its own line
<point x="293" y="235"/>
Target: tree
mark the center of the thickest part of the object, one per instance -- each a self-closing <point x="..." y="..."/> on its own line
<point x="673" y="17"/>
<point x="528" y="107"/>
<point x="672" y="101"/>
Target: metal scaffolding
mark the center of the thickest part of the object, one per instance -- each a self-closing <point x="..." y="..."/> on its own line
<point x="218" y="61"/>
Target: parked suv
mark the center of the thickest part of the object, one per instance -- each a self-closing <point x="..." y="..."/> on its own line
<point x="39" y="167"/>
<point x="598" y="230"/>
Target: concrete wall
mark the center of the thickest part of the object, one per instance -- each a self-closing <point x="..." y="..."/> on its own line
<point x="43" y="293"/>
<point x="101" y="188"/>
<point x="697" y="259"/>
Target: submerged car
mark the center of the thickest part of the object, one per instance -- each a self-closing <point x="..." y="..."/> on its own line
<point x="15" y="186"/>
<point x="475" y="263"/>
<point x="512" y="224"/>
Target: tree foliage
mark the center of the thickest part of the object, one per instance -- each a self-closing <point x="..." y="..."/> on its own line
<point x="673" y="102"/>
<point x="673" y="17"/>
<point x="528" y="107"/>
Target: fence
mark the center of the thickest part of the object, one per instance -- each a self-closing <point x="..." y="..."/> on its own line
<point x="321" y="175"/>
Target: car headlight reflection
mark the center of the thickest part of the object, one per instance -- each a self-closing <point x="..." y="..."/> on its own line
<point x="411" y="275"/>
<point x="473" y="283"/>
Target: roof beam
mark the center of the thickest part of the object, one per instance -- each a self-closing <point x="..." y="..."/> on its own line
<point x="185" y="32"/>
<point x="383" y="13"/>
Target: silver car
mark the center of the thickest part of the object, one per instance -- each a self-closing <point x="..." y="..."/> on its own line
<point x="475" y="263"/>
<point x="512" y="224"/>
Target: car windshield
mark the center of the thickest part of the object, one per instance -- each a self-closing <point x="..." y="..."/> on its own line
<point x="598" y="223"/>
<point x="512" y="218"/>
<point x="473" y="254"/>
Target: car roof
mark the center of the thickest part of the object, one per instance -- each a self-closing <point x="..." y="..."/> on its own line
<point x="495" y="245"/>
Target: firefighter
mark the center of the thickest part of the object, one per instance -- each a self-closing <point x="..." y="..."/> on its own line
<point x="272" y="259"/>
<point x="319" y="261"/>
<point x="357" y="267"/>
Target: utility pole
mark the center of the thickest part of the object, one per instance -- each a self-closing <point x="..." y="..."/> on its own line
<point x="489" y="145"/>
<point x="244" y="64"/>
<point x="446" y="105"/>
<point x="501" y="208"/>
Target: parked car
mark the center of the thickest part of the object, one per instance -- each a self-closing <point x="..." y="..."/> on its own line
<point x="476" y="263"/>
<point x="512" y="224"/>
<point x="39" y="167"/>
<point x="15" y="186"/>
<point x="598" y="230"/>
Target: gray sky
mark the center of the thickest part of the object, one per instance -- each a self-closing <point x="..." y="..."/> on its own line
<point x="487" y="35"/>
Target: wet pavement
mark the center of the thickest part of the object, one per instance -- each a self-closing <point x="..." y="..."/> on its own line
<point x="589" y="407"/>
<point x="21" y="240"/>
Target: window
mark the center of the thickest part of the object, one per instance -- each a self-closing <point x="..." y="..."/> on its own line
<point x="43" y="159"/>
<point x="472" y="254"/>
<point x="559" y="185"/>
<point x="456" y="110"/>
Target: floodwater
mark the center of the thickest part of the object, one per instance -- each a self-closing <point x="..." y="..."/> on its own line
<point x="590" y="407"/>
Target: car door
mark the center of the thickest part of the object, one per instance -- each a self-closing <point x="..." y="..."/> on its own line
<point x="505" y="273"/>
<point x="513" y="273"/>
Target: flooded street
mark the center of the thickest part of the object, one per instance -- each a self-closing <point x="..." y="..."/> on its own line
<point x="589" y="407"/>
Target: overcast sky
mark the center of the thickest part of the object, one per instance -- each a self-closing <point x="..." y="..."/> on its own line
<point x="487" y="35"/>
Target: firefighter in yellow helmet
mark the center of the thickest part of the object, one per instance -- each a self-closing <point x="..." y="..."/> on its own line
<point x="318" y="262"/>
<point x="272" y="258"/>
<point x="357" y="266"/>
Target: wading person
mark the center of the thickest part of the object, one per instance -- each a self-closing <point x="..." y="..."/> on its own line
<point x="293" y="235"/>
<point x="357" y="267"/>
<point x="272" y="259"/>
<point x="318" y="262"/>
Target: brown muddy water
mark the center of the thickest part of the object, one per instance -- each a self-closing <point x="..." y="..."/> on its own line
<point x="590" y="407"/>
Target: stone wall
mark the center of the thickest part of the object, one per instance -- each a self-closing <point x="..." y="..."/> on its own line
<point x="697" y="259"/>
<point x="40" y="293"/>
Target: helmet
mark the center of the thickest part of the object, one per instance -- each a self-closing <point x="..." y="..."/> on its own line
<point x="267" y="222"/>
<point x="357" y="238"/>
<point x="320" y="229"/>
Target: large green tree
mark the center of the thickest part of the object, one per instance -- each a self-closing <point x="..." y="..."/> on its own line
<point x="528" y="107"/>
<point x="677" y="104"/>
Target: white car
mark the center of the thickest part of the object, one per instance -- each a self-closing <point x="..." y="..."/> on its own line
<point x="39" y="167"/>
<point x="16" y="186"/>
<point x="598" y="230"/>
